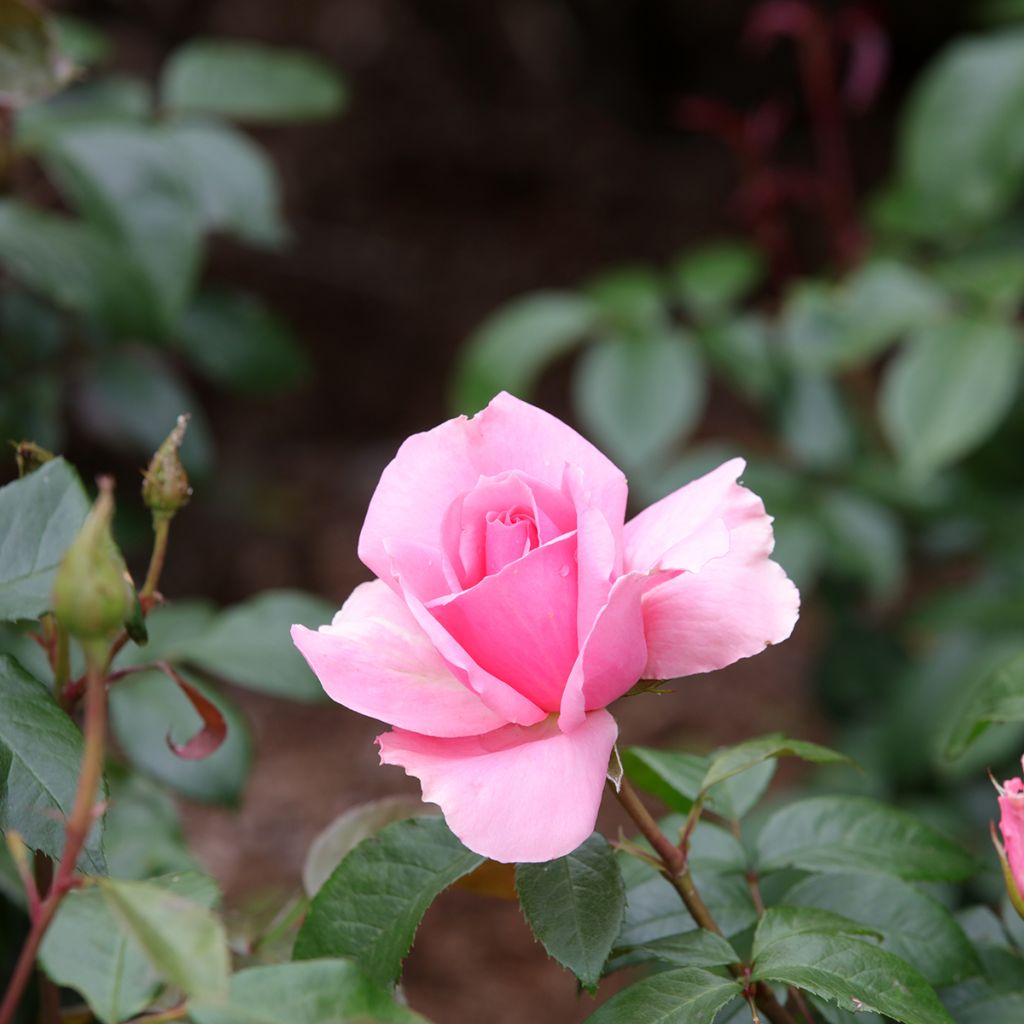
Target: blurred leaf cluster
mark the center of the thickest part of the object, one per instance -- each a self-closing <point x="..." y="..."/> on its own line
<point x="111" y="189"/>
<point x="879" y="410"/>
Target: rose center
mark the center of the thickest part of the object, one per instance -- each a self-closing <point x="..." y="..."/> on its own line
<point x="508" y="536"/>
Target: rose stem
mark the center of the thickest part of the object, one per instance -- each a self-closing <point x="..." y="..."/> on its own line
<point x="76" y="830"/>
<point x="678" y="875"/>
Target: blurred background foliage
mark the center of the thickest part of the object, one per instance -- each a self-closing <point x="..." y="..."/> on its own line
<point x="697" y="231"/>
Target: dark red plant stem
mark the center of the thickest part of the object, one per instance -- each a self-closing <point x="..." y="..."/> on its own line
<point x="77" y="829"/>
<point x="675" y="871"/>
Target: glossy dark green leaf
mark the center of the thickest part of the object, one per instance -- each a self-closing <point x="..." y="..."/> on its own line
<point x="733" y="760"/>
<point x="853" y="974"/>
<point x="146" y="708"/>
<point x="32" y="64"/>
<point x="233" y="181"/>
<point x="711" y="280"/>
<point x="250" y="644"/>
<point x="676" y="779"/>
<point x="313" y="992"/>
<point x="997" y="697"/>
<point x="75" y="266"/>
<point x="248" y="81"/>
<point x="638" y="395"/>
<point x="913" y="925"/>
<point x="845" y="833"/>
<point x="39" y="517"/>
<point x="779" y="923"/>
<point x="234" y="340"/>
<point x="574" y="906"/>
<point x="131" y="398"/>
<point x="696" y="948"/>
<point x="947" y="390"/>
<point x="133" y="182"/>
<point x="511" y="348"/>
<point x="370" y="907"/>
<point x="958" y="154"/>
<point x="40" y="758"/>
<point x="180" y="938"/>
<point x="687" y="995"/>
<point x="89" y="949"/>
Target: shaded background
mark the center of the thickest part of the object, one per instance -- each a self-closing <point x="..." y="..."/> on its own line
<point x="487" y="149"/>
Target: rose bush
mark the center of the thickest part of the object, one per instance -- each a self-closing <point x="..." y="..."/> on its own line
<point x="514" y="603"/>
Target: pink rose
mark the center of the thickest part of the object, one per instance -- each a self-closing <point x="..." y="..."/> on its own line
<point x="1011" y="825"/>
<point x="514" y="605"/>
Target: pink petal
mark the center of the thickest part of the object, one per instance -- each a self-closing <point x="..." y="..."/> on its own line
<point x="735" y="606"/>
<point x="515" y="795"/>
<point x="376" y="660"/>
<point x="613" y="655"/>
<point x="433" y="468"/>
<point x="520" y="624"/>
<point x="501" y="698"/>
<point x="684" y="529"/>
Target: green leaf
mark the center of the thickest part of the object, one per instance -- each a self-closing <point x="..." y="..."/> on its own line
<point x="853" y="974"/>
<point x="39" y="517"/>
<point x="130" y="399"/>
<point x="75" y="266"/>
<point x="688" y="995"/>
<point x="845" y="833"/>
<point x="913" y="925"/>
<point x="181" y="939"/>
<point x="85" y="44"/>
<point x="712" y="280"/>
<point x="147" y="708"/>
<point x="133" y="182"/>
<point x="697" y="948"/>
<point x="733" y="760"/>
<point x="864" y="540"/>
<point x="142" y="834"/>
<point x="959" y="154"/>
<point x="32" y="64"/>
<point x="979" y="1002"/>
<point x="314" y="992"/>
<point x="89" y="949"/>
<point x="511" y="348"/>
<point x="349" y="829"/>
<point x="742" y="350"/>
<point x="574" y="906"/>
<point x="638" y="395"/>
<point x="778" y="923"/>
<point x="249" y="644"/>
<point x="233" y="181"/>
<point x="98" y="101"/>
<point x="234" y="340"/>
<point x="676" y="779"/>
<point x="250" y="82"/>
<point x="829" y="329"/>
<point x="631" y="301"/>
<point x="816" y="425"/>
<point x="997" y="697"/>
<point x="947" y="390"/>
<point x="370" y="907"/>
<point x="40" y="757"/>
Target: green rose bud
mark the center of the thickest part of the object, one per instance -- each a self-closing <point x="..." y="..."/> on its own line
<point x="165" y="486"/>
<point x="93" y="594"/>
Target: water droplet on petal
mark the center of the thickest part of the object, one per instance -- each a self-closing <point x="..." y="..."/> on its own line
<point x="564" y="571"/>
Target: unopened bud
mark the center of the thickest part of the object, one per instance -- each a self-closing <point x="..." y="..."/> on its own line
<point x="165" y="486"/>
<point x="30" y="456"/>
<point x="92" y="594"/>
<point x="1011" y="849"/>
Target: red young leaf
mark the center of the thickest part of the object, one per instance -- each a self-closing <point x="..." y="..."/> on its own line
<point x="214" y="729"/>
